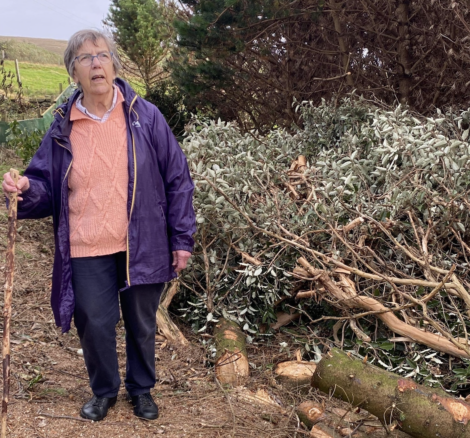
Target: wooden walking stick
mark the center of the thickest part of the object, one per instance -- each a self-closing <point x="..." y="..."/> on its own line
<point x="10" y="266"/>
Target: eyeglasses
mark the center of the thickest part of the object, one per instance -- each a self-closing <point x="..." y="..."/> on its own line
<point x="87" y="60"/>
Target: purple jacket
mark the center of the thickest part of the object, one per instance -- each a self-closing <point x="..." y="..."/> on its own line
<point x="161" y="214"/>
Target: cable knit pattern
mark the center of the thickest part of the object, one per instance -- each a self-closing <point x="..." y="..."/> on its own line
<point x="98" y="184"/>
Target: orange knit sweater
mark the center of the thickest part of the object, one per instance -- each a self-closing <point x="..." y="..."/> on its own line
<point x="98" y="184"/>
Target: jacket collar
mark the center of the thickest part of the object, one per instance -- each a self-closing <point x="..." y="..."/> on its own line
<point x="126" y="90"/>
<point x="62" y="126"/>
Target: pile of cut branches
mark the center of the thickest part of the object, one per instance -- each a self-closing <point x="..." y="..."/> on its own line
<point x="364" y="210"/>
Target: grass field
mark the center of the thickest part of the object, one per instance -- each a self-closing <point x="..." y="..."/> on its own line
<point x="40" y="79"/>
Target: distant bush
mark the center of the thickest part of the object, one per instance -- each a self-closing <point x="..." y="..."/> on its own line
<point x="28" y="52"/>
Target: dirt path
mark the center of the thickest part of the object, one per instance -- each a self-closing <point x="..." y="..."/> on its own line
<point x="49" y="382"/>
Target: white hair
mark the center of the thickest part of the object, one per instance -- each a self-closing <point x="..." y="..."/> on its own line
<point x="79" y="38"/>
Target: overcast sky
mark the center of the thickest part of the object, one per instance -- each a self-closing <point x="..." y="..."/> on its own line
<point x="57" y="19"/>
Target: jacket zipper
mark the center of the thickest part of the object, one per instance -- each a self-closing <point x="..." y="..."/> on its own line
<point x="133" y="194"/>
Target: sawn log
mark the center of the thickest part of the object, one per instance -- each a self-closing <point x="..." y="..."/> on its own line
<point x="345" y="292"/>
<point x="231" y="366"/>
<point x="330" y="421"/>
<point x="420" y="411"/>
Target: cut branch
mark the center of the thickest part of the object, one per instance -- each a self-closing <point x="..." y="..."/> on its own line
<point x="164" y="323"/>
<point x="347" y="295"/>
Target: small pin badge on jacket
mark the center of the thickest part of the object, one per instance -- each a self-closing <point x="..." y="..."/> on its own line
<point x="136" y="124"/>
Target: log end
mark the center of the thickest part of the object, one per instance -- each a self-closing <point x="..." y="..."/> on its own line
<point x="296" y="375"/>
<point x="232" y="368"/>
<point x="310" y="413"/>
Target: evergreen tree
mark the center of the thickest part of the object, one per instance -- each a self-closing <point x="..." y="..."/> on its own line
<point x="240" y="57"/>
<point x="145" y="35"/>
<point x="252" y="60"/>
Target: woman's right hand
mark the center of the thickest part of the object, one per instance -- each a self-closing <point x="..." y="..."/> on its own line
<point x="8" y="185"/>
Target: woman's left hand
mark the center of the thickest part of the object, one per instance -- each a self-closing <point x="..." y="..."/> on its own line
<point x="180" y="260"/>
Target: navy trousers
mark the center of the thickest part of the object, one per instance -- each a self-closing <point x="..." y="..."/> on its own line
<point x="96" y="284"/>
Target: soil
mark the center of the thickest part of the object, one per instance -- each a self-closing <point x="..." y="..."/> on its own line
<point x="49" y="382"/>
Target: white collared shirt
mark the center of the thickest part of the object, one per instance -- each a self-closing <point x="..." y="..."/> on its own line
<point x="103" y="119"/>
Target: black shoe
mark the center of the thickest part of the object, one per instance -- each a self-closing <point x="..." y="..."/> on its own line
<point x="97" y="408"/>
<point x="144" y="406"/>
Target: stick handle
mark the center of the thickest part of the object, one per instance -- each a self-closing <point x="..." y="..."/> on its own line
<point x="9" y="271"/>
<point x="15" y="176"/>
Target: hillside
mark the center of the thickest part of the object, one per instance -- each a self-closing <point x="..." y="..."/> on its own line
<point x="54" y="46"/>
<point x="36" y="50"/>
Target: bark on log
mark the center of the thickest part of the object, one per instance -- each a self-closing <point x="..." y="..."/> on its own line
<point x="231" y="366"/>
<point x="348" y="296"/>
<point x="419" y="411"/>
<point x="295" y="375"/>
<point x="164" y="323"/>
<point x="336" y="422"/>
<point x="8" y="291"/>
<point x="342" y="422"/>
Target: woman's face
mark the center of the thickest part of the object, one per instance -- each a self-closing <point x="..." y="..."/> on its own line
<point x="97" y="78"/>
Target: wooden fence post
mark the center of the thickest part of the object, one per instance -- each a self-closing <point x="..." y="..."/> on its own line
<point x="18" y="77"/>
<point x="60" y="87"/>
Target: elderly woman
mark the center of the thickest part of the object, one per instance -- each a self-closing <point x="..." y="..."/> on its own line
<point x="117" y="184"/>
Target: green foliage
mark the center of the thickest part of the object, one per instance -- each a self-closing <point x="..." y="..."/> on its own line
<point x="25" y="144"/>
<point x="28" y="52"/>
<point x="209" y="37"/>
<point x="170" y="101"/>
<point x="231" y="287"/>
<point x="387" y="164"/>
<point x="143" y="31"/>
<point x="236" y="55"/>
